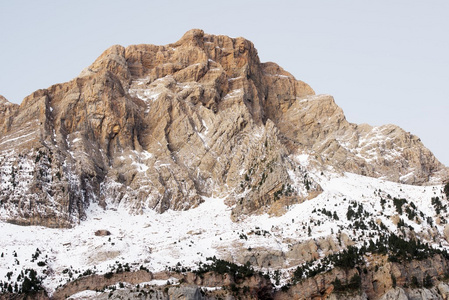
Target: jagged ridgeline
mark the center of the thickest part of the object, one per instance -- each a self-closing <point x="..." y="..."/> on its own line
<point x="159" y="127"/>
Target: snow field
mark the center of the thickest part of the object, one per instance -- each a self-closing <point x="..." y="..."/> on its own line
<point x="157" y="241"/>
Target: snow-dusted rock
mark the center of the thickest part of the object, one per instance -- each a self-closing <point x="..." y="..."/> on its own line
<point x="423" y="294"/>
<point x="395" y="294"/>
<point x="443" y="288"/>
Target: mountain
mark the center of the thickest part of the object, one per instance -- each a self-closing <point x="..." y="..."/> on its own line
<point x="158" y="127"/>
<point x="172" y="154"/>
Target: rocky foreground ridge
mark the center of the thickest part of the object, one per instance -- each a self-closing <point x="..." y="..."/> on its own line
<point x="159" y="127"/>
<point x="381" y="279"/>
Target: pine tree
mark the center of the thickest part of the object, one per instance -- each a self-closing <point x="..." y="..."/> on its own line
<point x="393" y="279"/>
<point x="427" y="282"/>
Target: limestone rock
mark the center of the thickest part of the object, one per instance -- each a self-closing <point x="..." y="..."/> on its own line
<point x="446" y="232"/>
<point x="319" y="126"/>
<point x="161" y="127"/>
<point x="102" y="232"/>
<point x="185" y="293"/>
<point x="317" y="287"/>
<point x="177" y="292"/>
<point x="394" y="294"/>
<point x="349" y="296"/>
<point x="7" y="110"/>
<point x="97" y="282"/>
<point x="423" y="294"/>
<point x="302" y="252"/>
<point x="443" y="288"/>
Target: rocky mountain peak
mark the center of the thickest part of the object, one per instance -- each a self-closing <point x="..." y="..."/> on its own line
<point x="161" y="127"/>
<point x="193" y="37"/>
<point x="6" y="110"/>
<point x="3" y="100"/>
<point x="5" y="103"/>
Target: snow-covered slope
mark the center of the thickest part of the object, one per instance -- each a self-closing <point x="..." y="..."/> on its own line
<point x="159" y="241"/>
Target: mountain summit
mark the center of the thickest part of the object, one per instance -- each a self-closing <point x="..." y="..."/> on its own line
<point x="161" y="127"/>
<point x="194" y="171"/>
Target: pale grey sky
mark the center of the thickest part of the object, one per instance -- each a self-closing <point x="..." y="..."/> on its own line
<point x="383" y="61"/>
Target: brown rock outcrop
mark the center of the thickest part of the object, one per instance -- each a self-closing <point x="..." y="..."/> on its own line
<point x="102" y="232"/>
<point x="98" y="282"/>
<point x="189" y="288"/>
<point x="158" y="127"/>
<point x="446" y="232"/>
<point x="319" y="126"/>
<point x="7" y="110"/>
<point x="376" y="281"/>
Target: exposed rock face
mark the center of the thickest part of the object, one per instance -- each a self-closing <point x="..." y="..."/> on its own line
<point x="443" y="289"/>
<point x="158" y="127"/>
<point x="102" y="232"/>
<point x="446" y="232"/>
<point x="177" y="292"/>
<point x="317" y="124"/>
<point x="376" y="282"/>
<point x="7" y="109"/>
<point x="395" y="294"/>
<point x="193" y="286"/>
<point x="99" y="282"/>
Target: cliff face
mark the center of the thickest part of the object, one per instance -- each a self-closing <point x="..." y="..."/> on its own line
<point x="380" y="280"/>
<point x="160" y="127"/>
